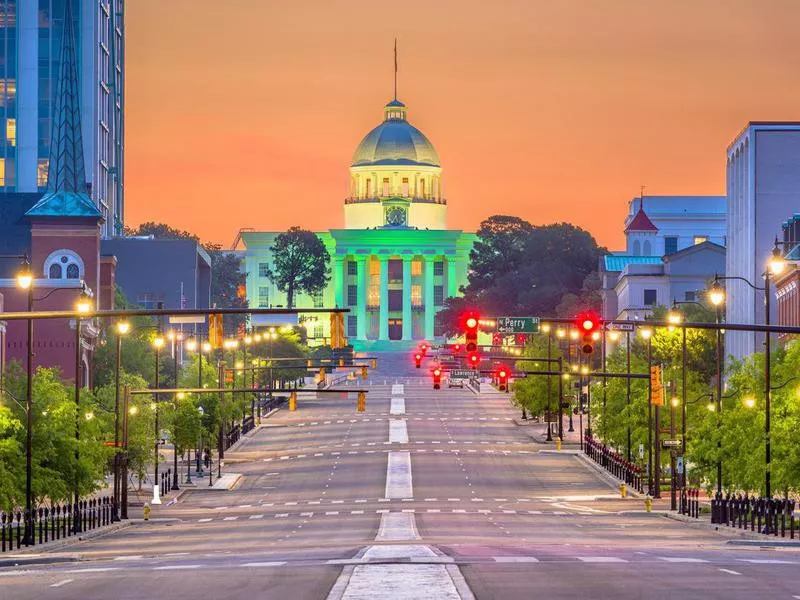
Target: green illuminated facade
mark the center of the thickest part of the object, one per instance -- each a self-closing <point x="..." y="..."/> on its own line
<point x="394" y="263"/>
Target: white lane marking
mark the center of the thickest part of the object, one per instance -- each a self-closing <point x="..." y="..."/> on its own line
<point x="204" y="520"/>
<point x="681" y="559"/>
<point x="274" y="563"/>
<point x="730" y="572"/>
<point x="601" y="559"/>
<point x="177" y="567"/>
<point x="397" y="389"/>
<point x="93" y="570"/>
<point x="515" y="559"/>
<point x="230" y="518"/>
<point x="398" y="475"/>
<point x="332" y="513"/>
<point x="62" y="582"/>
<point x="398" y="406"/>
<point x="256" y="516"/>
<point x="131" y="556"/>
<point x="766" y="561"/>
<point x="398" y="432"/>
<point x="356" y="512"/>
<point x="397" y="527"/>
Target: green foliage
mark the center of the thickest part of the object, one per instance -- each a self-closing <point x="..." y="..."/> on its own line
<point x="532" y="393"/>
<point x="300" y="263"/>
<point x="520" y="269"/>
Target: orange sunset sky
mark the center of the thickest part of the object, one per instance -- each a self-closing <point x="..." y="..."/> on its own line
<point x="245" y="113"/>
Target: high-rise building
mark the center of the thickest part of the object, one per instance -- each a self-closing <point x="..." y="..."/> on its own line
<point x="30" y="64"/>
<point x="763" y="187"/>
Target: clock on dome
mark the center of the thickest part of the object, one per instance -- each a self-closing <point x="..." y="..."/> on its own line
<point x="396" y="216"/>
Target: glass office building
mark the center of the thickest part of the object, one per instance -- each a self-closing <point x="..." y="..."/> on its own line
<point x="30" y="61"/>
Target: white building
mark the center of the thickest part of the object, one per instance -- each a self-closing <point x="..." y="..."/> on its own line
<point x="674" y="246"/>
<point x="30" y="46"/>
<point x="763" y="188"/>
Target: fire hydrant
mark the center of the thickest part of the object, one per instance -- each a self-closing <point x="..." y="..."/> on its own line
<point x="623" y="490"/>
<point x="147" y="510"/>
<point x="558" y="444"/>
<point x="648" y="503"/>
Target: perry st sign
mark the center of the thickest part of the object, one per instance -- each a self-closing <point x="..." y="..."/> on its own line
<point x="517" y="324"/>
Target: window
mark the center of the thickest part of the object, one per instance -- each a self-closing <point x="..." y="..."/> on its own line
<point x="405" y="187"/>
<point x="352" y="295"/>
<point x="395" y="300"/>
<point x="421" y="188"/>
<point x="385" y="187"/>
<point x="319" y="331"/>
<point x="352" y="326"/>
<point x="352" y="267"/>
<point x="2" y="171"/>
<point x="416" y="295"/>
<point x="263" y="297"/>
<point x="11" y="132"/>
<point x="395" y="271"/>
<point x="369" y="189"/>
<point x="670" y="244"/>
<point x="416" y="267"/>
<point x="438" y="268"/>
<point x="438" y="295"/>
<point x="317" y="299"/>
<point x="699" y="239"/>
<point x="62" y="264"/>
<point x="646" y="248"/>
<point x="263" y="269"/>
<point x="689" y="296"/>
<point x="637" y="248"/>
<point x="146" y="300"/>
<point x="650" y="297"/>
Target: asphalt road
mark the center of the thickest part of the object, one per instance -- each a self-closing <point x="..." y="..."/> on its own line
<point x="445" y="498"/>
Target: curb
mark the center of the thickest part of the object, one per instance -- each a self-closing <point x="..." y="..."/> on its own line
<point x="747" y="538"/>
<point x="22" y="561"/>
<point x="95" y="533"/>
<point x="605" y="475"/>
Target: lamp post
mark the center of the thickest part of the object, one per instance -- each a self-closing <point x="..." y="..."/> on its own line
<point x="548" y="330"/>
<point x="647" y="334"/>
<point x="158" y="343"/>
<point x="122" y="327"/>
<point x="83" y="306"/>
<point x="25" y="282"/>
<point x="176" y="337"/>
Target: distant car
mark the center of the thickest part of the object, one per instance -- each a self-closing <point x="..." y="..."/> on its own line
<point x="459" y="383"/>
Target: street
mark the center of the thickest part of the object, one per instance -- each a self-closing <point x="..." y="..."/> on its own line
<point x="428" y="494"/>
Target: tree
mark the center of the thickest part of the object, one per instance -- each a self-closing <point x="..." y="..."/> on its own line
<point x="300" y="263"/>
<point x="227" y="284"/>
<point x="160" y="231"/>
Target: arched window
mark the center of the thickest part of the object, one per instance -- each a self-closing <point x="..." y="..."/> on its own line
<point x="63" y="264"/>
<point x="646" y="249"/>
<point x="637" y="250"/>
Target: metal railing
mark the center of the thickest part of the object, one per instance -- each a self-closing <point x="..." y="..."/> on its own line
<point x="690" y="502"/>
<point x="50" y="523"/>
<point x="614" y="463"/>
<point x="770" y="516"/>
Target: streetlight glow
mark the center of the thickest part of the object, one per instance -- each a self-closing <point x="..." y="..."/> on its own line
<point x="206" y="347"/>
<point x="560" y="333"/>
<point x="613" y="336"/>
<point x="646" y="332"/>
<point x="716" y="294"/>
<point x="546" y="328"/>
<point x="25" y="276"/>
<point x="776" y="262"/>
<point x="675" y="401"/>
<point x="158" y="341"/>
<point x="674" y="317"/>
<point x="191" y="344"/>
<point x="123" y="327"/>
<point x="84" y="304"/>
<point x="749" y="402"/>
<point x="573" y="334"/>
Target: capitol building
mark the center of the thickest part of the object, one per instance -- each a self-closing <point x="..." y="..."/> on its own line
<point x="395" y="261"/>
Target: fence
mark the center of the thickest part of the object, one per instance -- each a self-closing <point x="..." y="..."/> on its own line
<point x="690" y="502"/>
<point x="614" y="463"/>
<point x="49" y="523"/>
<point x="765" y="515"/>
<point x="166" y="482"/>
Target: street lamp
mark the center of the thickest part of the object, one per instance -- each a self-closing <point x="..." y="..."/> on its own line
<point x="158" y="344"/>
<point x="25" y="282"/>
<point x="123" y="328"/>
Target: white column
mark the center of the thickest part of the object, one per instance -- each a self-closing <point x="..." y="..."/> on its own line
<point x="452" y="288"/>
<point x="408" y="324"/>
<point x="430" y="311"/>
<point x="338" y="280"/>
<point x="383" y="323"/>
<point x="27" y="96"/>
<point x="361" y="310"/>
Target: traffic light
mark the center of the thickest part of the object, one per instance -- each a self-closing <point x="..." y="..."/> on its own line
<point x="470" y="323"/>
<point x="502" y="379"/>
<point x="338" y="338"/>
<point x="474" y="360"/>
<point x="364" y="372"/>
<point x="456" y="348"/>
<point x="424" y="349"/>
<point x="588" y="324"/>
<point x="418" y="359"/>
<point x="437" y="378"/>
<point x="361" y="402"/>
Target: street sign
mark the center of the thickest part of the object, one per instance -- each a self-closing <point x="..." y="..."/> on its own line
<point x="620" y="326"/>
<point x="189" y="319"/>
<point x="462" y="374"/>
<point x="671" y="443"/>
<point x="517" y="324"/>
<point x="641" y="450"/>
<point x="679" y="465"/>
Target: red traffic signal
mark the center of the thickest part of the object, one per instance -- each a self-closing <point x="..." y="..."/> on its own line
<point x="423" y="348"/>
<point x="470" y="323"/>
<point x="502" y="378"/>
<point x="418" y="359"/>
<point x="588" y="323"/>
<point x="474" y="359"/>
<point x="437" y="378"/>
<point x="457" y="348"/>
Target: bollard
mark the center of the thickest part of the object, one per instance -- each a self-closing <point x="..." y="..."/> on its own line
<point x="146" y="511"/>
<point x="623" y="490"/>
<point x="648" y="503"/>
